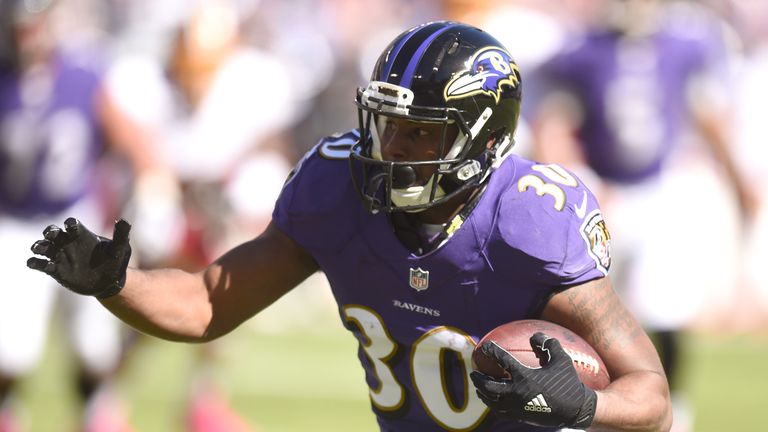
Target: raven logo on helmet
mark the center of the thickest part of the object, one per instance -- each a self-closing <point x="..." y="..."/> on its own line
<point x="491" y="68"/>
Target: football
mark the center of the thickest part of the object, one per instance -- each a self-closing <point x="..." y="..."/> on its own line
<point x="515" y="338"/>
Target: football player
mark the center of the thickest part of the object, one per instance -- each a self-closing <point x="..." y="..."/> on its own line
<point x="55" y="124"/>
<point x="637" y="85"/>
<point x="455" y="235"/>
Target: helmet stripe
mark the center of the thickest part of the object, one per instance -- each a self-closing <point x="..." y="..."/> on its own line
<point x="396" y="51"/>
<point x="403" y="50"/>
<point x="416" y="57"/>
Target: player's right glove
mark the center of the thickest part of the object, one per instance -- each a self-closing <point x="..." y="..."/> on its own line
<point x="552" y="395"/>
<point x="82" y="261"/>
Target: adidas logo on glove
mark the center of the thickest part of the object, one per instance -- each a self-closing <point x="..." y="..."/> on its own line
<point x="538" y="404"/>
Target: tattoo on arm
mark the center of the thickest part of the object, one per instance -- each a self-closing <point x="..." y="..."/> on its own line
<point x="600" y="309"/>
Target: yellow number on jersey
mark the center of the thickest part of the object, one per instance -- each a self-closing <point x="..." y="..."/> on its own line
<point x="552" y="172"/>
<point x="427" y="374"/>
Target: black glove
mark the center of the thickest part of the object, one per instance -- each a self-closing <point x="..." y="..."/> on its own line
<point x="82" y="261"/>
<point x="552" y="395"/>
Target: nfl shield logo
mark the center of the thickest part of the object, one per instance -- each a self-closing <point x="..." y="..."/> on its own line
<point x="419" y="279"/>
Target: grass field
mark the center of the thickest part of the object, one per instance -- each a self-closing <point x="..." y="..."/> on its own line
<point x="308" y="378"/>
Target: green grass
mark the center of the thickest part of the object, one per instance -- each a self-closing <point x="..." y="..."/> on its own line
<point x="726" y="378"/>
<point x="286" y="382"/>
<point x="308" y="378"/>
<point x="304" y="378"/>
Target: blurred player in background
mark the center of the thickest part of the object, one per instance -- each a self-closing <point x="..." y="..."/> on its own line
<point x="622" y="102"/>
<point x="56" y="121"/>
<point x="750" y="19"/>
<point x="533" y="29"/>
<point x="341" y="44"/>
<point x="456" y="235"/>
<point x="216" y="109"/>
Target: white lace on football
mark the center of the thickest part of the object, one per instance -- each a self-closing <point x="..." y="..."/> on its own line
<point x="584" y="361"/>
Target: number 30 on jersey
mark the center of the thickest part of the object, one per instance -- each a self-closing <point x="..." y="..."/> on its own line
<point x="557" y="176"/>
<point x="427" y="375"/>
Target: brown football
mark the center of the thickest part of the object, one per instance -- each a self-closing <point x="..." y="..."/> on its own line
<point x="515" y="338"/>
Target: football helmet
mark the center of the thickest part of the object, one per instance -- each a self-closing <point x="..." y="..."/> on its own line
<point x="441" y="72"/>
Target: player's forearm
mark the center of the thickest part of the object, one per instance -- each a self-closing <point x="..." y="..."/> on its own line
<point x="635" y="402"/>
<point x="168" y="303"/>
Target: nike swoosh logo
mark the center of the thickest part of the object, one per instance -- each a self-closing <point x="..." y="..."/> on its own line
<point x="581" y="210"/>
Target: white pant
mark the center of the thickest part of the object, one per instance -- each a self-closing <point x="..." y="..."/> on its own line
<point x="756" y="253"/>
<point x="27" y="299"/>
<point x="672" y="244"/>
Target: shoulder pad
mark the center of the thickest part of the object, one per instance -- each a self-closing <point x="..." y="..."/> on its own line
<point x="549" y="214"/>
<point x="318" y="203"/>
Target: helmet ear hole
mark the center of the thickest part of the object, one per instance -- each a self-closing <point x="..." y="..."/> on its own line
<point x="495" y="138"/>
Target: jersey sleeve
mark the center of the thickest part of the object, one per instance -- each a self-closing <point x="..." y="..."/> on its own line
<point x="588" y="251"/>
<point x="318" y="203"/>
<point x="549" y="215"/>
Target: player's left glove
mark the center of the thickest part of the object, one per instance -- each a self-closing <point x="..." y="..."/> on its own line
<point x="552" y="395"/>
<point x="82" y="261"/>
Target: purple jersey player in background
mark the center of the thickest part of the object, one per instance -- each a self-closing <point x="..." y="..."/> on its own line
<point x="55" y="126"/>
<point x="632" y="91"/>
<point x="455" y="236"/>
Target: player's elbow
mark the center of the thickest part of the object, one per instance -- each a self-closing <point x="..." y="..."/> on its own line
<point x="657" y="416"/>
<point x="665" y="420"/>
<point x="635" y="402"/>
<point x="659" y="408"/>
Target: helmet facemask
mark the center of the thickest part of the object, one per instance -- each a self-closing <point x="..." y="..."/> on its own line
<point x="394" y="185"/>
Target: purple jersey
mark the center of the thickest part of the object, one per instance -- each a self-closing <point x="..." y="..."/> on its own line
<point x="632" y="94"/>
<point x="534" y="231"/>
<point x="49" y="137"/>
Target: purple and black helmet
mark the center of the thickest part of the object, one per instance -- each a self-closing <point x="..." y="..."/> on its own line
<point x="439" y="72"/>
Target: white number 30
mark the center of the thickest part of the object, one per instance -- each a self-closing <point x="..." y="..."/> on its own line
<point x="556" y="174"/>
<point x="427" y="374"/>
